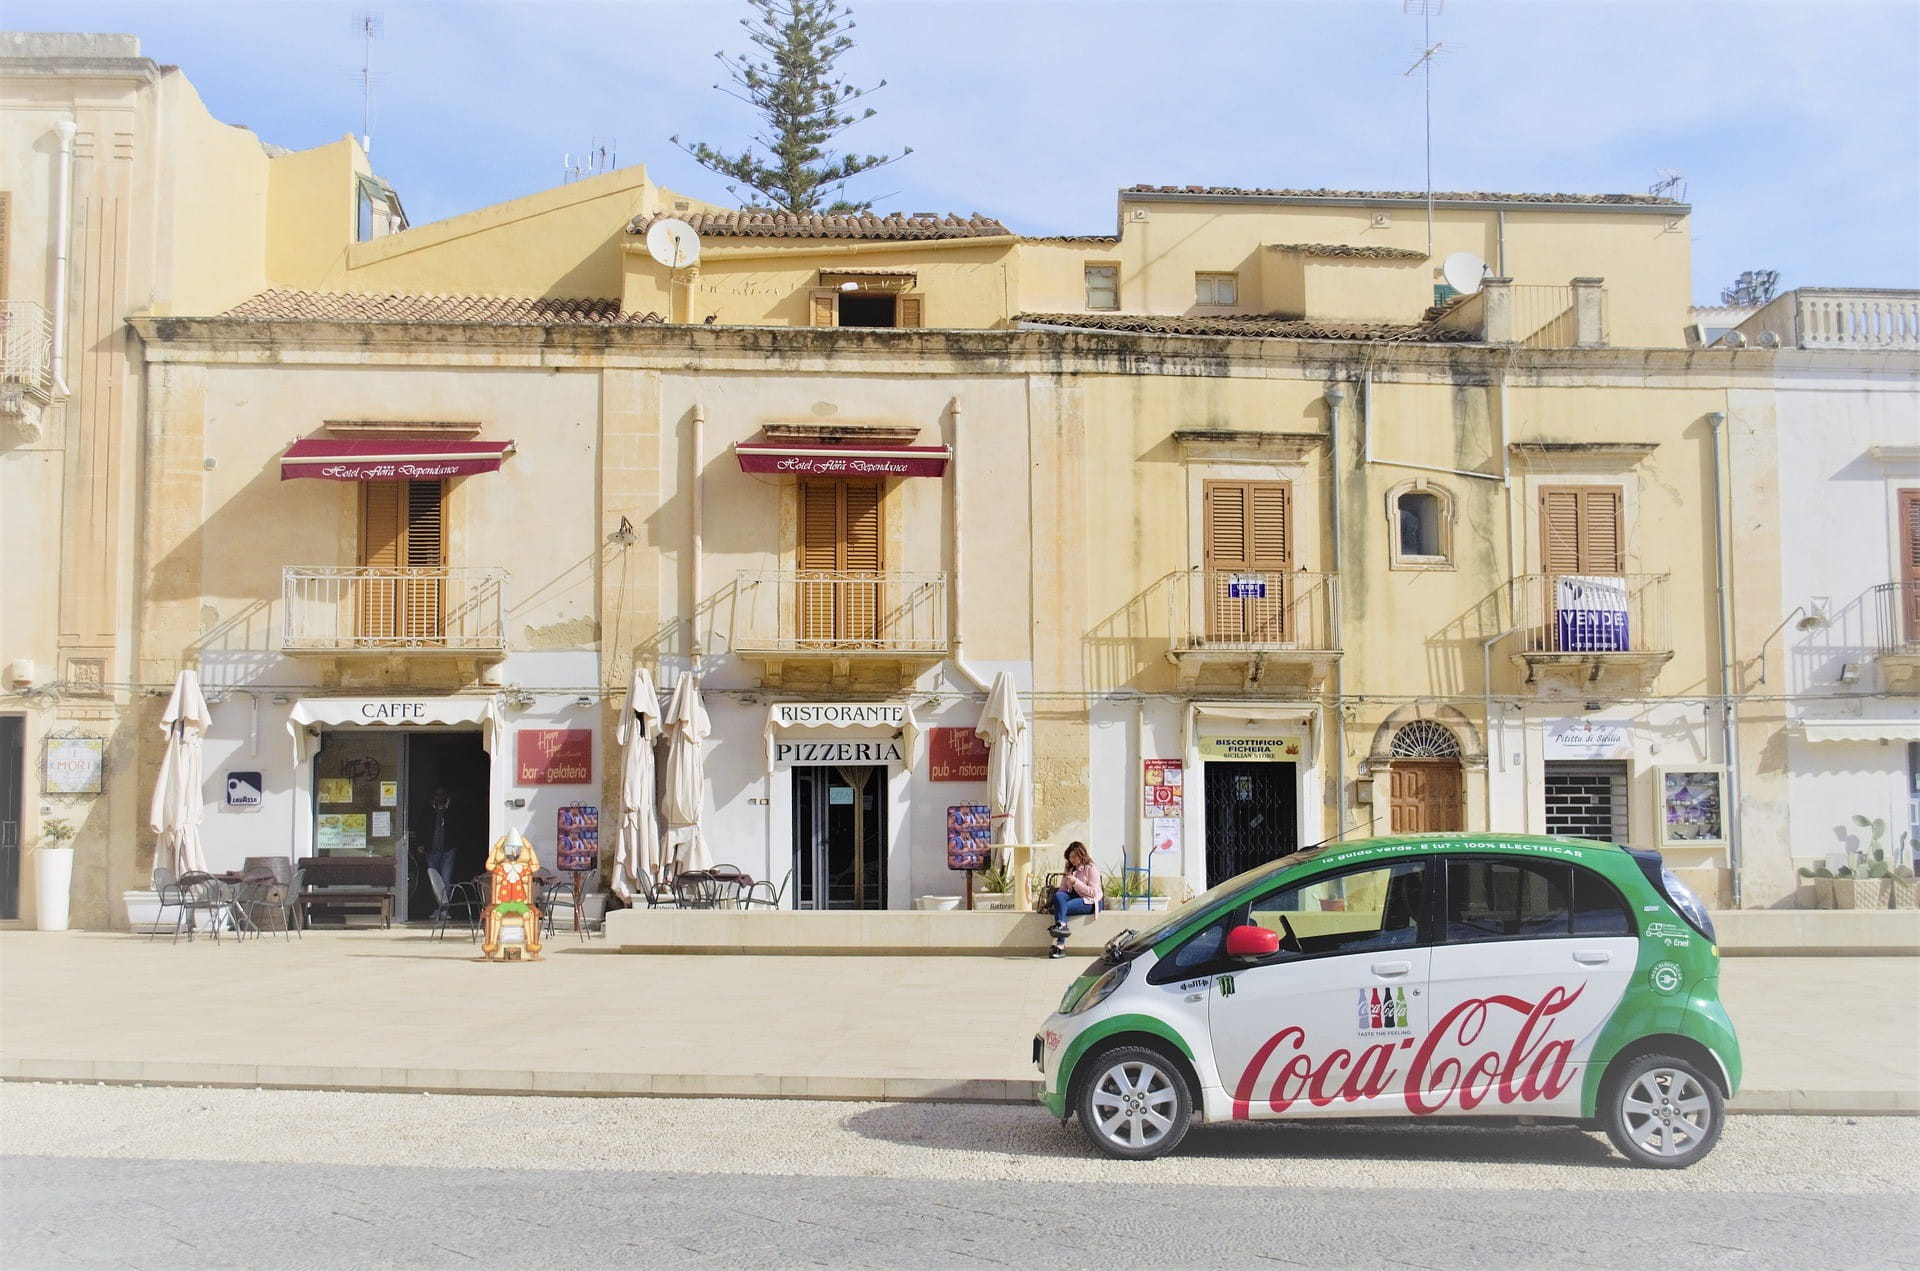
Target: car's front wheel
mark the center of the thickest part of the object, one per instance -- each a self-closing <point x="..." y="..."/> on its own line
<point x="1134" y="1103"/>
<point x="1663" y="1112"/>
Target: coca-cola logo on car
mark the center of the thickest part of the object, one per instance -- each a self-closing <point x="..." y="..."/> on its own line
<point x="1442" y="1067"/>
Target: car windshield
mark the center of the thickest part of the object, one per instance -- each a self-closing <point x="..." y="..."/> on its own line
<point x="1186" y="912"/>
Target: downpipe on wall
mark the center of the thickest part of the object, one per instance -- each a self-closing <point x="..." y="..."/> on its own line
<point x="1729" y="707"/>
<point x="959" y="658"/>
<point x="62" y="215"/>
<point x="1337" y="739"/>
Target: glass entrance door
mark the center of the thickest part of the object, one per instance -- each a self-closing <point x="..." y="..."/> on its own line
<point x="1252" y="816"/>
<point x="359" y="776"/>
<point x="840" y="837"/>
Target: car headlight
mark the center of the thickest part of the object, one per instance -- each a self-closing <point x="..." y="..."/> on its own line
<point x="1682" y="898"/>
<point x="1094" y="994"/>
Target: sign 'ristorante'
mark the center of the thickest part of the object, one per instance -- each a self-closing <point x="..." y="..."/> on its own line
<point x="843" y="461"/>
<point x="840" y="714"/>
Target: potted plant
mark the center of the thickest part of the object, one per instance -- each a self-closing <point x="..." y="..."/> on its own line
<point x="1870" y="869"/>
<point x="992" y="887"/>
<point x="1843" y="893"/>
<point x="53" y="873"/>
<point x="1900" y="887"/>
<point x="1806" y="895"/>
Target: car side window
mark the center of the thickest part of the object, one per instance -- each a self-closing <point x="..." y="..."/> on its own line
<point x="1507" y="900"/>
<point x="1198" y="955"/>
<point x="1380" y="907"/>
<point x="1598" y="908"/>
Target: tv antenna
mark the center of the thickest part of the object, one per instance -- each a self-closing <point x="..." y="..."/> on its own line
<point x="599" y="158"/>
<point x="1425" y="66"/>
<point x="1671" y="185"/>
<point x="368" y="26"/>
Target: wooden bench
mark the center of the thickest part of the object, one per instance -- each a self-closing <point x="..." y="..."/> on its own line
<point x="358" y="883"/>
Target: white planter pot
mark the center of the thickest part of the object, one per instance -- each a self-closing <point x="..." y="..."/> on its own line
<point x="936" y="902"/>
<point x="53" y="887"/>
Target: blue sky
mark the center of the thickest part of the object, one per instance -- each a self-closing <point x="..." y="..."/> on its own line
<point x="1795" y="124"/>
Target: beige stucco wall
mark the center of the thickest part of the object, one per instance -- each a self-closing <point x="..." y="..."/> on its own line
<point x="213" y="203"/>
<point x="310" y="215"/>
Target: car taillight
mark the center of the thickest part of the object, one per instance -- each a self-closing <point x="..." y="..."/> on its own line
<point x="1681" y="897"/>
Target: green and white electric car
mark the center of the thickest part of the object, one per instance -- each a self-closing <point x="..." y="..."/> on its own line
<point x="1419" y="975"/>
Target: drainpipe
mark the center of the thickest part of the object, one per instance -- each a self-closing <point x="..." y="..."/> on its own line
<point x="1486" y="709"/>
<point x="1338" y="740"/>
<point x="967" y="673"/>
<point x="62" y="213"/>
<point x="1729" y="711"/>
<point x="693" y="500"/>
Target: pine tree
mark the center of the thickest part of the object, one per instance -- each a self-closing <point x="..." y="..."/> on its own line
<point x="802" y="106"/>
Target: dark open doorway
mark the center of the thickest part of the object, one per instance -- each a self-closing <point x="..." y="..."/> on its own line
<point x="1252" y="816"/>
<point x="450" y="770"/>
<point x="840" y="837"/>
<point x="13" y="778"/>
<point x="869" y="309"/>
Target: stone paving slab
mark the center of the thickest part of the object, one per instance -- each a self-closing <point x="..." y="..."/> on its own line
<point x="399" y="1011"/>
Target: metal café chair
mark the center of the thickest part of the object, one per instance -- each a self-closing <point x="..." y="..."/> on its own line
<point x="167" y="887"/>
<point x="202" y="893"/>
<point x="262" y="897"/>
<point x="657" y="895"/>
<point x="765" y="895"/>
<point x="696" y="889"/>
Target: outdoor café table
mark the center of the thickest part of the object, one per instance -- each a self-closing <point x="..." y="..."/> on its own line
<point x="710" y="888"/>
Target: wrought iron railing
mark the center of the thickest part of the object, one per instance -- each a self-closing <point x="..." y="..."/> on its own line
<point x="802" y="611"/>
<point x="1592" y="613"/>
<point x="26" y="346"/>
<point x="1896" y="612"/>
<point x="1254" y="609"/>
<point x="343" y="607"/>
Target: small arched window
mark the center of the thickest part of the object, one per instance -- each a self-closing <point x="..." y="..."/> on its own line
<point x="1421" y="518"/>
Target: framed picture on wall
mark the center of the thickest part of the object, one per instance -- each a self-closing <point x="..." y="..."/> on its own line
<point x="1693" y="805"/>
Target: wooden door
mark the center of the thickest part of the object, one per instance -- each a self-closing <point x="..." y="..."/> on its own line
<point x="1426" y="796"/>
<point x="1910" y="565"/>
<point x="1247" y="560"/>
<point x="839" y="559"/>
<point x="403" y="546"/>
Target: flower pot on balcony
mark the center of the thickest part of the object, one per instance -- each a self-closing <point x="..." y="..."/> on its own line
<point x="1900" y="893"/>
<point x="1823" y="893"/>
<point x="1843" y="893"/>
<point x="1871" y="893"/>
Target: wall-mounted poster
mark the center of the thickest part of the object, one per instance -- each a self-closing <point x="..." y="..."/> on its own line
<point x="1166" y="835"/>
<point x="74" y="765"/>
<point x="336" y="789"/>
<point x="554" y="757"/>
<point x="1164" y="786"/>
<point x="577" y="848"/>
<point x="340" y="832"/>
<point x="1693" y="805"/>
<point x="956" y="754"/>
<point x="389" y="794"/>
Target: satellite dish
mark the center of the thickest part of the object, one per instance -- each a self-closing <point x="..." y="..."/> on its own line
<point x="673" y="243"/>
<point x="1464" y="272"/>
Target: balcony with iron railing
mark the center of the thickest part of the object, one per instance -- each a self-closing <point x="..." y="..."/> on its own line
<point x="1254" y="630"/>
<point x="344" y="610"/>
<point x="1584" y="630"/>
<point x="832" y="628"/>
<point x="1896" y="619"/>
<point x="26" y="363"/>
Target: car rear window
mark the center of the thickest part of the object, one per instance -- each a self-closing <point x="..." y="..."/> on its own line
<point x="1530" y="900"/>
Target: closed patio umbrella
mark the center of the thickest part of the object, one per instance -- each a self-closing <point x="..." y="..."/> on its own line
<point x="639" y="842"/>
<point x="1003" y="726"/>
<point x="686" y="783"/>
<point x="177" y="808"/>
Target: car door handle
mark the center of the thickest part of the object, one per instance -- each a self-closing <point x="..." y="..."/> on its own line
<point x="1391" y="969"/>
<point x="1592" y="957"/>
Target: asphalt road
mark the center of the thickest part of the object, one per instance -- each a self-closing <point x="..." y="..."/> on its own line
<point x="116" y="1177"/>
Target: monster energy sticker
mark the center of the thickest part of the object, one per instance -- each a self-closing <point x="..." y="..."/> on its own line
<point x="1382" y="1010"/>
<point x="1665" y="977"/>
<point x="1226" y="986"/>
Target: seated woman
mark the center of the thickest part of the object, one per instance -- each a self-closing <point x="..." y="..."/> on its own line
<point x="1078" y="893"/>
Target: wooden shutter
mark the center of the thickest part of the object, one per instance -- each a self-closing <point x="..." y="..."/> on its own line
<point x="912" y="312"/>
<point x="1249" y="538"/>
<point x="823" y="307"/>
<point x="1581" y="530"/>
<point x="382" y="551"/>
<point x="840" y="545"/>
<point x="423" y="597"/>
<point x="403" y="546"/>
<point x="1910" y="563"/>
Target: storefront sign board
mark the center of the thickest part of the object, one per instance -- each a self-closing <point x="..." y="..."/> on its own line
<point x="244" y="791"/>
<point x="832" y="461"/>
<point x="851" y="715"/>
<point x="817" y="752"/>
<point x="1164" y="784"/>
<point x="554" y="757"/>
<point x="1268" y="749"/>
<point x="956" y="754"/>
<point x="1587" y="738"/>
<point x="74" y="765"/>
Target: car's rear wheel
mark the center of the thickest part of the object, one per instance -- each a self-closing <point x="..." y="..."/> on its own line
<point x="1134" y="1103"/>
<point x="1662" y="1112"/>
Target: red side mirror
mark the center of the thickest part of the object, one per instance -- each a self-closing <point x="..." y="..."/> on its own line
<point x="1252" y="942"/>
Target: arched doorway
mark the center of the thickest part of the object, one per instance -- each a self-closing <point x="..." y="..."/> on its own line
<point x="1427" y="782"/>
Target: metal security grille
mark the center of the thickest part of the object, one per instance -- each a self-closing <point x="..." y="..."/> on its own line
<point x="1252" y="813"/>
<point x="1587" y="800"/>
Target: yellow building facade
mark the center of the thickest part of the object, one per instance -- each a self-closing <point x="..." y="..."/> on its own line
<point x="1279" y="537"/>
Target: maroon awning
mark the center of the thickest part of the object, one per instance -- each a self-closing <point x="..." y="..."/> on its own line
<point x="855" y="460"/>
<point x="400" y="459"/>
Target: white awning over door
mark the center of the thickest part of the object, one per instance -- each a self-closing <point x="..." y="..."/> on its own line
<point x="312" y="714"/>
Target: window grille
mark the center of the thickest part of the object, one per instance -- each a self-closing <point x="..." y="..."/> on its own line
<point x="1424" y="739"/>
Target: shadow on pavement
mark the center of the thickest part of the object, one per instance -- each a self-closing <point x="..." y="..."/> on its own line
<point x="1024" y="1132"/>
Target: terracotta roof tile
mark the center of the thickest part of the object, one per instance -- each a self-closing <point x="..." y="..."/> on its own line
<point x="894" y="225"/>
<point x="1254" y="326"/>
<point x="1349" y="251"/>
<point x="1411" y="196"/>
<point x="1101" y="240"/>
<point x="282" y="305"/>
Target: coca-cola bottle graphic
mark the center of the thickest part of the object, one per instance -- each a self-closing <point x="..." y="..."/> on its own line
<point x="1373" y="1008"/>
<point x="1362" y="1025"/>
<point x="1400" y="1008"/>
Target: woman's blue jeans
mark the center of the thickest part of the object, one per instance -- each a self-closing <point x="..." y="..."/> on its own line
<point x="1067" y="905"/>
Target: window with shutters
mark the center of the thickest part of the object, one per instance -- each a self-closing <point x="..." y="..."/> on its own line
<point x="1581" y="530"/>
<point x="1247" y="561"/>
<point x="1103" y="286"/>
<point x="839" y="561"/>
<point x="403" y="539"/>
<point x="832" y="307"/>
<point x="1910" y="565"/>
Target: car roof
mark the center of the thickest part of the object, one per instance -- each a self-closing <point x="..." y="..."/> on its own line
<point x="1557" y="845"/>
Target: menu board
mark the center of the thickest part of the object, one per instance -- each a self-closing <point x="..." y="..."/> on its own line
<point x="969" y="836"/>
<point x="577" y="847"/>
